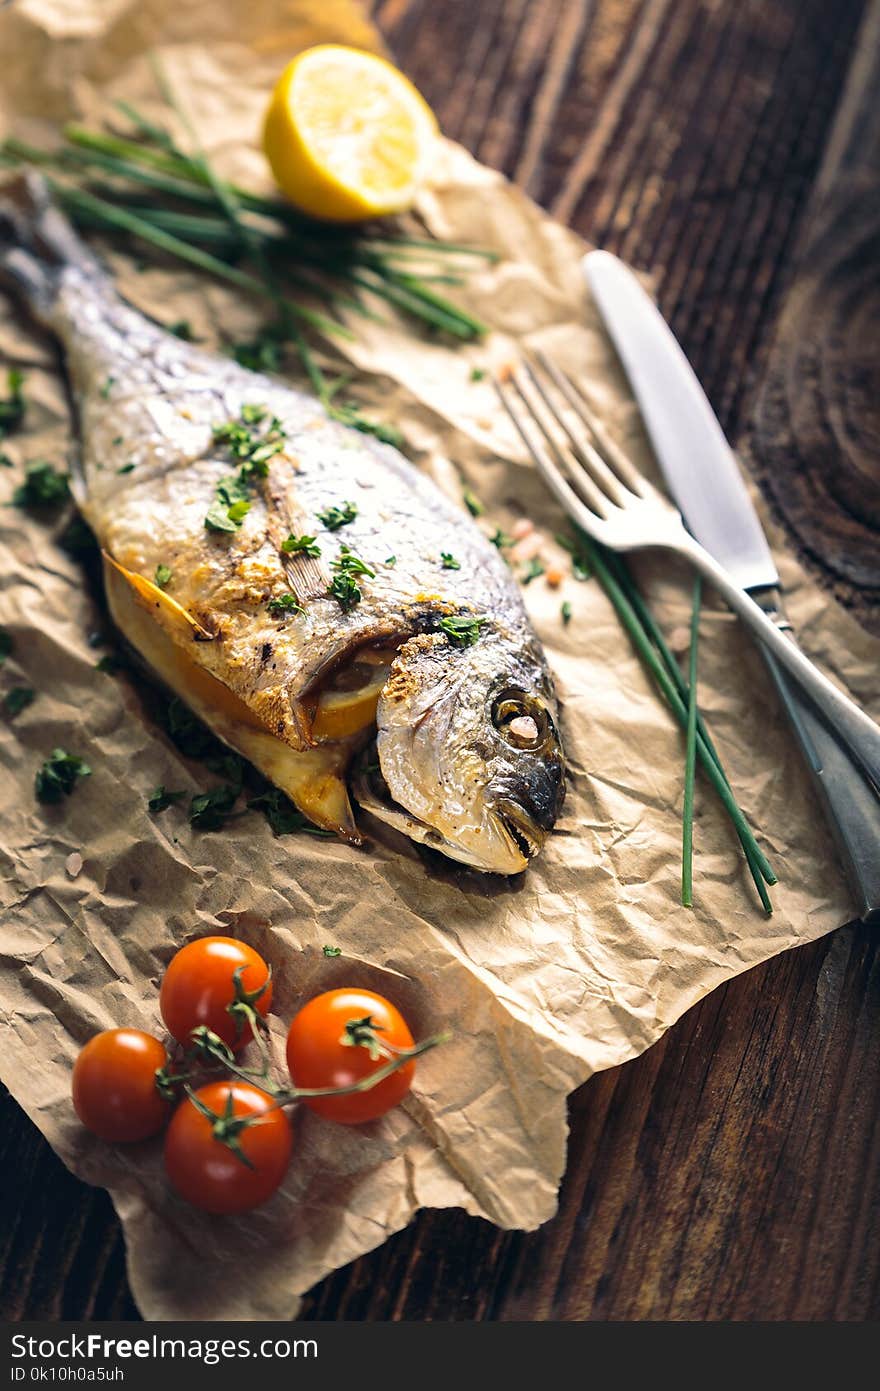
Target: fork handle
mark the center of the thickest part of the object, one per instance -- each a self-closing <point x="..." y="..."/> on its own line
<point x="855" y="730"/>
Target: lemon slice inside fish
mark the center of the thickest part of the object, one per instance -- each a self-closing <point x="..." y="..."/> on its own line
<point x="347" y="136"/>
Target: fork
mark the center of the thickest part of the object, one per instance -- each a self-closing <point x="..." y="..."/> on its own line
<point x="606" y="495"/>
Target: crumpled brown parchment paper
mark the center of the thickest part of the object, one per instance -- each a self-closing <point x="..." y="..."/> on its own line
<point x="579" y="965"/>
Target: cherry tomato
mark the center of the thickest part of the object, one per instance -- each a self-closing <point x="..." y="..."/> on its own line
<point x="317" y="1056"/>
<point x="205" y="1171"/>
<point x="199" y="986"/>
<point x="114" y="1085"/>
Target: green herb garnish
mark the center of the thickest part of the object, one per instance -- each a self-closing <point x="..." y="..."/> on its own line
<point x="462" y="632"/>
<point x="472" y="503"/>
<point x="501" y="539"/>
<point x="189" y="734"/>
<point x="391" y="562"/>
<point x="161" y="799"/>
<point x="335" y="517"/>
<point x="260" y="355"/>
<point x="17" y="699"/>
<point x="209" y="811"/>
<point x="477" y="374"/>
<point x="12" y="407"/>
<point x="59" y="775"/>
<point x="181" y="328"/>
<point x="345" y="591"/>
<point x="284" y="604"/>
<point x="106" y="387"/>
<point x="301" y="545"/>
<point x="448" y="561"/>
<point x="117" y="441"/>
<point x="332" y="951"/>
<point x="162" y="576"/>
<point x="5" y="644"/>
<point x="534" y="568"/>
<point x="565" y="611"/>
<point x="43" y="487"/>
<point x="126" y="468"/>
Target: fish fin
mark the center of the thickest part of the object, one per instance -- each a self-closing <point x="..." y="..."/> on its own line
<point x="154" y="597"/>
<point x="37" y="242"/>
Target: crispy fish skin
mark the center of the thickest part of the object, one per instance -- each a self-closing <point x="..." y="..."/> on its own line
<point x="148" y="406"/>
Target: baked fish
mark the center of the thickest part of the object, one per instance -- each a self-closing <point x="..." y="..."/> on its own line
<point x="317" y="602"/>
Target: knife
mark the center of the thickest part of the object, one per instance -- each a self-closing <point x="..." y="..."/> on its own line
<point x="704" y="478"/>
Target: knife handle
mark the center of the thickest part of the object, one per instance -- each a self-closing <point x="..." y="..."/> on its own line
<point x="849" y="801"/>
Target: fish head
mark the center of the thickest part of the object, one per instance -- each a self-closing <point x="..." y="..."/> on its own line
<point x="469" y="749"/>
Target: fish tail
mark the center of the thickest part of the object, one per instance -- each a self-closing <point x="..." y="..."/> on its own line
<point x="37" y="243"/>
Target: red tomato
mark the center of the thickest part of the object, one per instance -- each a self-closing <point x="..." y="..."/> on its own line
<point x="199" y="986"/>
<point x="317" y="1056"/>
<point x="210" y="1175"/>
<point x="114" y="1085"/>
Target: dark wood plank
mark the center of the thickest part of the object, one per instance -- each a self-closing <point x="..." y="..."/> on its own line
<point x="731" y="1172"/>
<point x="817" y="426"/>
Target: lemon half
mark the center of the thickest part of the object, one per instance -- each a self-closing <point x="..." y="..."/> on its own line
<point x="347" y="136"/>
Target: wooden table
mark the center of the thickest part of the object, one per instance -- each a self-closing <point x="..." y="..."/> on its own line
<point x="733" y="149"/>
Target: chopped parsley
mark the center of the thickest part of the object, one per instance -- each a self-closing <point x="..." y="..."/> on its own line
<point x="250" y="444"/>
<point x="477" y="374"/>
<point x="285" y="603"/>
<point x="344" y="587"/>
<point x="161" y="799"/>
<point x="105" y="389"/>
<point x="253" y="440"/>
<point x="209" y="811"/>
<point x="472" y="503"/>
<point x="12" y="406"/>
<point x="182" y="328"/>
<point x="335" y="517"/>
<point x="301" y="545"/>
<point x="533" y="570"/>
<point x="162" y="576"/>
<point x="117" y="441"/>
<point x="230" y="506"/>
<point x="188" y="732"/>
<point x="391" y="562"/>
<point x="5" y="644"/>
<point x="565" y="610"/>
<point x="43" y="487"/>
<point x="126" y="468"/>
<point x="462" y="632"/>
<point x="16" y="700"/>
<point x="260" y="355"/>
<point x="59" y="775"/>
<point x="347" y="413"/>
<point x="448" y="561"/>
<point x="283" y="817"/>
<point x="350" y="564"/>
<point x="345" y="591"/>
<point x="332" y="951"/>
<point x="501" y="539"/>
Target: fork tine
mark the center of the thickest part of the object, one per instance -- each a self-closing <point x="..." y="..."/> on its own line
<point x="553" y="476"/>
<point x="581" y="482"/>
<point x="583" y="450"/>
<point x="614" y="456"/>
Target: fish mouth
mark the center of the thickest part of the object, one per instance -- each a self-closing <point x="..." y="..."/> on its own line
<point x="517" y="838"/>
<point x="527" y="836"/>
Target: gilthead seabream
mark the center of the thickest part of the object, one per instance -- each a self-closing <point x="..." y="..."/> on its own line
<point x="313" y="598"/>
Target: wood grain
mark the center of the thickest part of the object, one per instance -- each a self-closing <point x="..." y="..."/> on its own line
<point x="732" y="1171"/>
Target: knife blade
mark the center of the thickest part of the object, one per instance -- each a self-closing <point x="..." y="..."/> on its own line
<point x="704" y="478"/>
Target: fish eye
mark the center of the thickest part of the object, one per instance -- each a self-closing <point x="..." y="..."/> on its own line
<point x="521" y="719"/>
